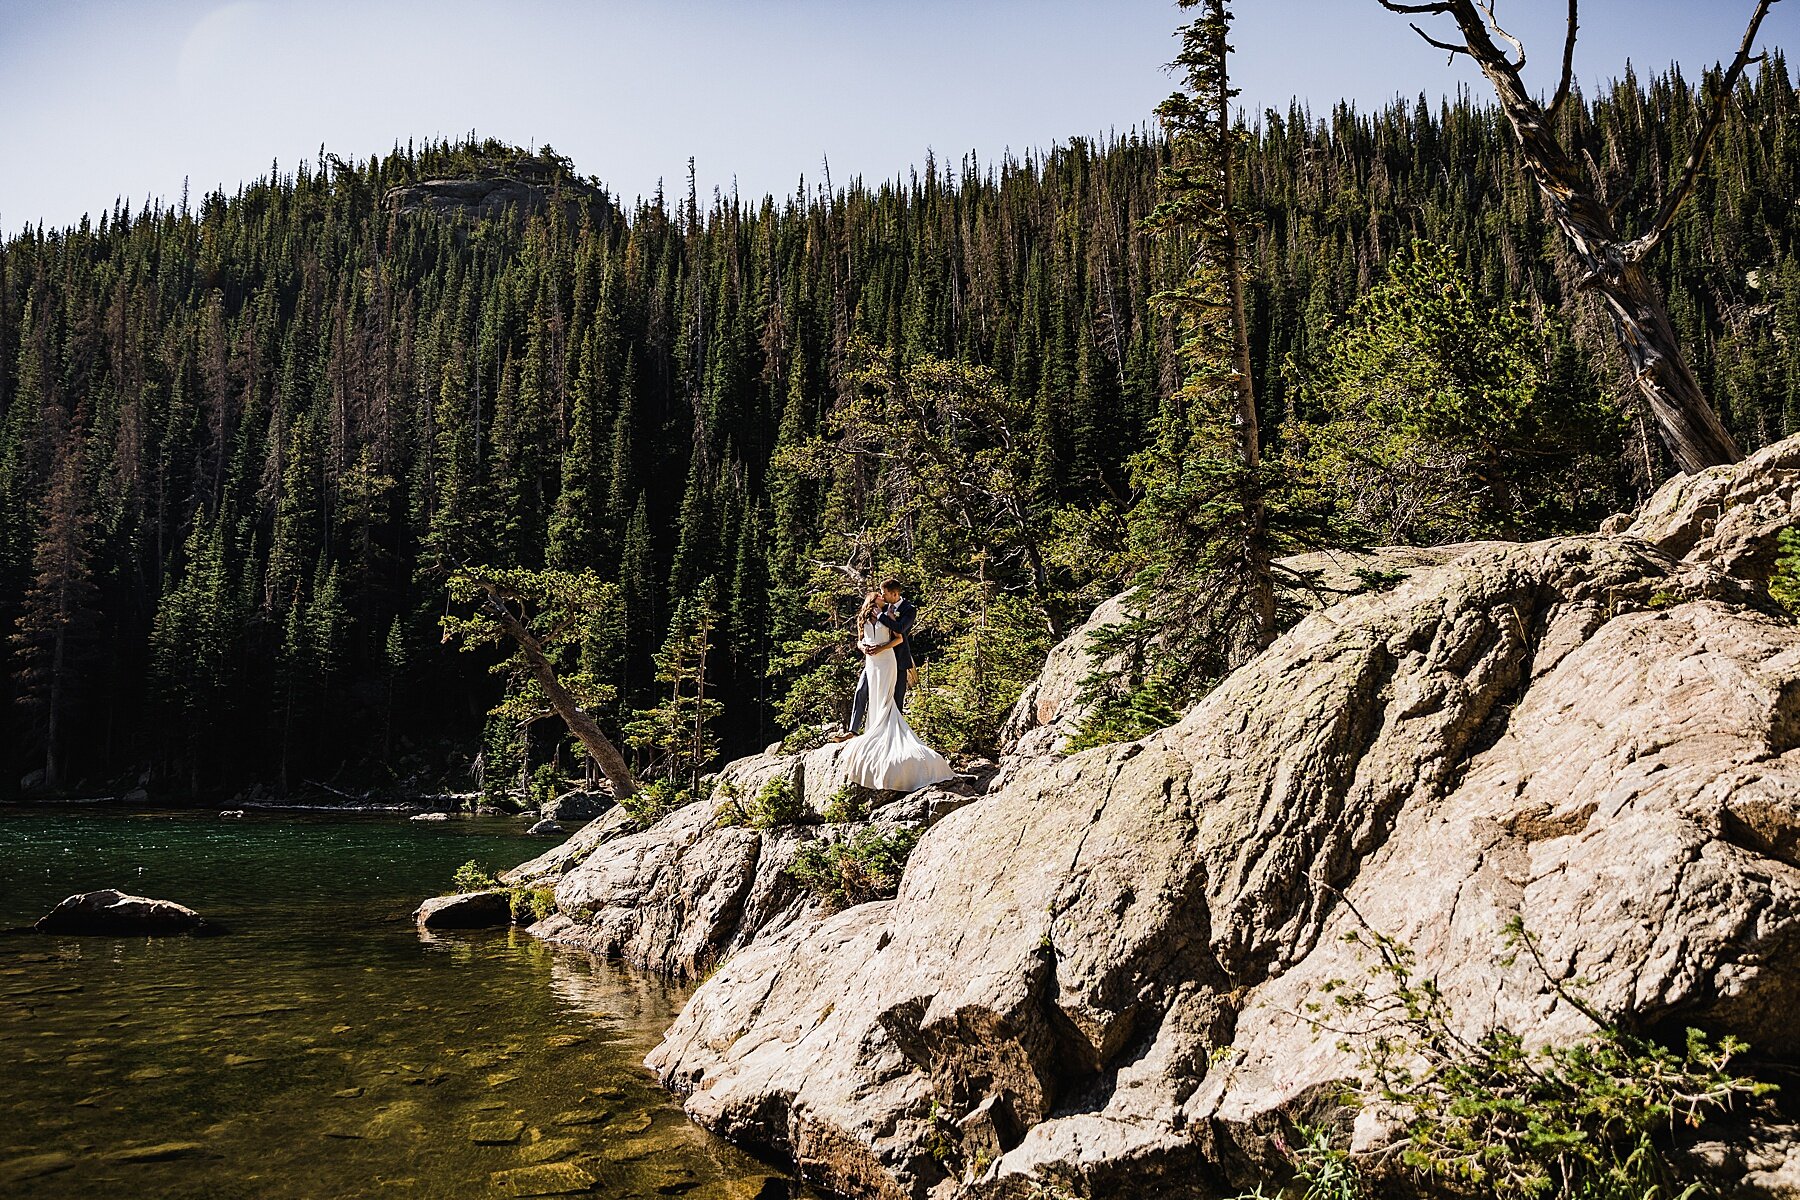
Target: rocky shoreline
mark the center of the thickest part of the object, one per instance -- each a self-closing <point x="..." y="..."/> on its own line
<point x="1094" y="977"/>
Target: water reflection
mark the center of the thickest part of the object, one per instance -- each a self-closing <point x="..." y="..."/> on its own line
<point x="323" y="1049"/>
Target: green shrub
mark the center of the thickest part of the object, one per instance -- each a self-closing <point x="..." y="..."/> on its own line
<point x="778" y="803"/>
<point x="848" y="804"/>
<point x="1784" y="583"/>
<point x="545" y="785"/>
<point x="1136" y="710"/>
<point x="539" y="902"/>
<point x="1588" y="1118"/>
<point x="654" y="801"/>
<point x="864" y="867"/>
<point x="805" y="738"/>
<point x="473" y="877"/>
<point x="1372" y="579"/>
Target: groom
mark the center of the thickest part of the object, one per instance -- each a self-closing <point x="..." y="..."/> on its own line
<point x="898" y="617"/>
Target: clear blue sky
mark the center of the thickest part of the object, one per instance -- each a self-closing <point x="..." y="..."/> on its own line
<point x="107" y="98"/>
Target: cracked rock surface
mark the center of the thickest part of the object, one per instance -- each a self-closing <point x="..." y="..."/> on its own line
<point x="1093" y="979"/>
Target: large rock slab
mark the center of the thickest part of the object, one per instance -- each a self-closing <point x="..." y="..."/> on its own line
<point x="668" y="898"/>
<point x="553" y="864"/>
<point x="1050" y="710"/>
<point x="1727" y="517"/>
<point x="1088" y="982"/>
<point x="114" y="913"/>
<point x="577" y="806"/>
<point x="695" y="888"/>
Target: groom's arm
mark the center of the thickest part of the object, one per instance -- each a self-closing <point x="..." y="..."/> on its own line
<point x="901" y="622"/>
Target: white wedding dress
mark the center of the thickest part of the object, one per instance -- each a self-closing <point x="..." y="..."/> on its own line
<point x="888" y="756"/>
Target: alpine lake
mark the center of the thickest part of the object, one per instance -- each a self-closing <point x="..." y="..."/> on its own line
<point x="323" y="1046"/>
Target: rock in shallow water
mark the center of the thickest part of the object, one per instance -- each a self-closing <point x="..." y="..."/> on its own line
<point x="34" y="1166"/>
<point x="113" y="913"/>
<point x="466" y="910"/>
<point x="160" y="1152"/>
<point x="546" y="1179"/>
<point x="496" y="1133"/>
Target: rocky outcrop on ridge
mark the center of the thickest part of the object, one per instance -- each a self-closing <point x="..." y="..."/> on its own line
<point x="1093" y="981"/>
<point x="518" y="191"/>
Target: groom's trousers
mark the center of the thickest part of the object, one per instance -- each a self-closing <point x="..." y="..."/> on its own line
<point x="859" y="709"/>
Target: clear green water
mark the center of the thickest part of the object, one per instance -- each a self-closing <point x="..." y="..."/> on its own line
<point x="324" y="1047"/>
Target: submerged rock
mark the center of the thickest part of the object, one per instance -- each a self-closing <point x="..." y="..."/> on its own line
<point x="546" y="829"/>
<point x="1092" y="981"/>
<point x="496" y="1133"/>
<point x="430" y="816"/>
<point x="466" y="910"/>
<point x="113" y="913"/>
<point x="545" y="1179"/>
<point x="35" y="1166"/>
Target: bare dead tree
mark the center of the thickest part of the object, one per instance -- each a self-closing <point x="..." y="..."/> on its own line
<point x="1613" y="266"/>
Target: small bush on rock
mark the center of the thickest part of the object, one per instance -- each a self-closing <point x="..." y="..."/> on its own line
<point x="473" y="877"/>
<point x="1132" y="694"/>
<point x="1784" y="583"/>
<point x="539" y="902"/>
<point x="806" y="738"/>
<point x="1590" y="1118"/>
<point x="778" y="803"/>
<point x="864" y="867"/>
<point x="848" y="804"/>
<point x="654" y="801"/>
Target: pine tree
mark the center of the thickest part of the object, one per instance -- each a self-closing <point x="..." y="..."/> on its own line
<point x="56" y="625"/>
<point x="676" y="735"/>
<point x="1202" y="520"/>
<point x="195" y="644"/>
<point x="296" y="545"/>
<point x="638" y="599"/>
<point x="574" y="526"/>
<point x="1448" y="417"/>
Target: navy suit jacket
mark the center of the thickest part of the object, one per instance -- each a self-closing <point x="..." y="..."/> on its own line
<point x="899" y="618"/>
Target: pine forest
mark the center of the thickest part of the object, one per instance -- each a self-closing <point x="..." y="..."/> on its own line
<point x="255" y="447"/>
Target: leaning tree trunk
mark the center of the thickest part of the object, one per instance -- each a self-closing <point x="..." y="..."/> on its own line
<point x="1614" y="269"/>
<point x="598" y="745"/>
<point x="1613" y="266"/>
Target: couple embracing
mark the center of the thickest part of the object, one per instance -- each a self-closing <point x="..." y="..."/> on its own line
<point x="887" y="755"/>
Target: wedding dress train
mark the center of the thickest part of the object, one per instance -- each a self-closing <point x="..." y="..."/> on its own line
<point x="888" y="756"/>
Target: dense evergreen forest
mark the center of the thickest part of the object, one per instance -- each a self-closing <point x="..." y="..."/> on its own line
<point x="245" y="442"/>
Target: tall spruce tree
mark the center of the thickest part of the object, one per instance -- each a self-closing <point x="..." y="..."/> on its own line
<point x="57" y="630"/>
<point x="1201" y="523"/>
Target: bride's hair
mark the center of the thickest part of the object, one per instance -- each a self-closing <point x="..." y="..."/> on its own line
<point x="871" y="606"/>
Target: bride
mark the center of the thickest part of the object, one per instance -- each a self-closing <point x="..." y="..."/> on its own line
<point x="887" y="756"/>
